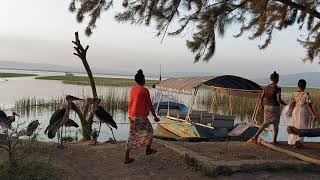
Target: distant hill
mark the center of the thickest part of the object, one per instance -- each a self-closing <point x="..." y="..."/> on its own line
<point x="53" y="68"/>
<point x="37" y="67"/>
<point x="312" y="78"/>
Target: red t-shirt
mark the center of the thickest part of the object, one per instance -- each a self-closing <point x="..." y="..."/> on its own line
<point x="140" y="103"/>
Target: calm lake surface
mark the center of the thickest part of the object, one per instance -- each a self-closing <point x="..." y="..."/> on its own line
<point x="17" y="88"/>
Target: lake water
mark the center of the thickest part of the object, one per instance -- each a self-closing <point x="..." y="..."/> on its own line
<point x="13" y="89"/>
<point x="17" y="88"/>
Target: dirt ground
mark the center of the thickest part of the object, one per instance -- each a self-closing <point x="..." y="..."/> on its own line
<point x="233" y="151"/>
<point x="81" y="161"/>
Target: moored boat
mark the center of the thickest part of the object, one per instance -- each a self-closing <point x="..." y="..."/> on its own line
<point x="202" y="124"/>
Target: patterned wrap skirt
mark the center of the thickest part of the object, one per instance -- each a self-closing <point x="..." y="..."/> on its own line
<point x="140" y="133"/>
<point x="300" y="120"/>
<point x="272" y="115"/>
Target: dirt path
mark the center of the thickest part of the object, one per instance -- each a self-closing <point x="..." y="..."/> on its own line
<point x="81" y="161"/>
<point x="105" y="161"/>
<point x="233" y="151"/>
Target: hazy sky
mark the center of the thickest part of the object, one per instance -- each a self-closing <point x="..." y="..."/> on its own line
<point x="41" y="31"/>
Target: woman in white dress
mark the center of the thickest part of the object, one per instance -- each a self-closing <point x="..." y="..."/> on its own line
<point x="301" y="113"/>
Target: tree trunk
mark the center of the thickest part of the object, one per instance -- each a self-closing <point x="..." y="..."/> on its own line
<point x="87" y="131"/>
<point x="86" y="121"/>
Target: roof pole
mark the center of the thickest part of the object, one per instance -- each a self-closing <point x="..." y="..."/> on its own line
<point x="194" y="96"/>
<point x="168" y="112"/>
<point x="256" y="109"/>
<point x="157" y="109"/>
<point x="230" y="105"/>
<point x="213" y="100"/>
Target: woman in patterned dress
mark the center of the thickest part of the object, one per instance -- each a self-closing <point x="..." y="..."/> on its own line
<point x="141" y="131"/>
<point x="301" y="113"/>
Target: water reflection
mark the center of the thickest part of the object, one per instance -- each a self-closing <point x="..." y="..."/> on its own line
<point x="43" y="114"/>
<point x="28" y="87"/>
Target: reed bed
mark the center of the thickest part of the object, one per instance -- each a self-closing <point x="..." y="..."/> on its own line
<point x="30" y="102"/>
<point x="112" y="101"/>
<point x="243" y="107"/>
<point x="240" y="107"/>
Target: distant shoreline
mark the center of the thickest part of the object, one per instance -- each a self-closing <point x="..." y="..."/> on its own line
<point x="11" y="75"/>
<point x="57" y="71"/>
<point x="99" y="81"/>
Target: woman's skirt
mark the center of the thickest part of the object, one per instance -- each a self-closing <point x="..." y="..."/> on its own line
<point x="272" y="115"/>
<point x="140" y="134"/>
<point x="300" y="119"/>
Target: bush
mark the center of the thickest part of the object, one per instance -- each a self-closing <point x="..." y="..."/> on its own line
<point x="27" y="170"/>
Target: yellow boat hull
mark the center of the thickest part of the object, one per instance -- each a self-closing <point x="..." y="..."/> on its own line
<point x="179" y="128"/>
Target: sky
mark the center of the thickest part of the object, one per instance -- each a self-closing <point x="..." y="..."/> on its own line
<point x="41" y="31"/>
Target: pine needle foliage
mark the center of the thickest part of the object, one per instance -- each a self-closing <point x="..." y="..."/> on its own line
<point x="209" y="18"/>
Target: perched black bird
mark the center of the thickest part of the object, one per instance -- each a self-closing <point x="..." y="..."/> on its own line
<point x="3" y="114"/>
<point x="5" y="120"/>
<point x="32" y="127"/>
<point x="71" y="123"/>
<point x="54" y="121"/>
<point x="60" y="117"/>
<point x="105" y="117"/>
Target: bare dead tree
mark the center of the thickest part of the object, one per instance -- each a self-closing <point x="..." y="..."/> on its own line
<point x="87" y="113"/>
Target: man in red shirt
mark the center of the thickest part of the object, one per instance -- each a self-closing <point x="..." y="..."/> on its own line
<point x="140" y="105"/>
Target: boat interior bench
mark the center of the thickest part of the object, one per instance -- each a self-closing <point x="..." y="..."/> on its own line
<point x="221" y="124"/>
<point x="216" y="120"/>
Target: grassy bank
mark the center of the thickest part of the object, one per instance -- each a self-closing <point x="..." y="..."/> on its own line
<point x="100" y="81"/>
<point x="9" y="75"/>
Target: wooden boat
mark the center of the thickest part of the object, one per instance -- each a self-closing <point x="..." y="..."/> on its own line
<point x="179" y="128"/>
<point x="202" y="124"/>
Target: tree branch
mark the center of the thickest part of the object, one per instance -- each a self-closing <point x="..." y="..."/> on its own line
<point x="82" y="53"/>
<point x="300" y="7"/>
<point x="80" y="114"/>
<point x="93" y="109"/>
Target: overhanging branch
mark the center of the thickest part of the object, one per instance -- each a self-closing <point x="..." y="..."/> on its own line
<point x="300" y="7"/>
